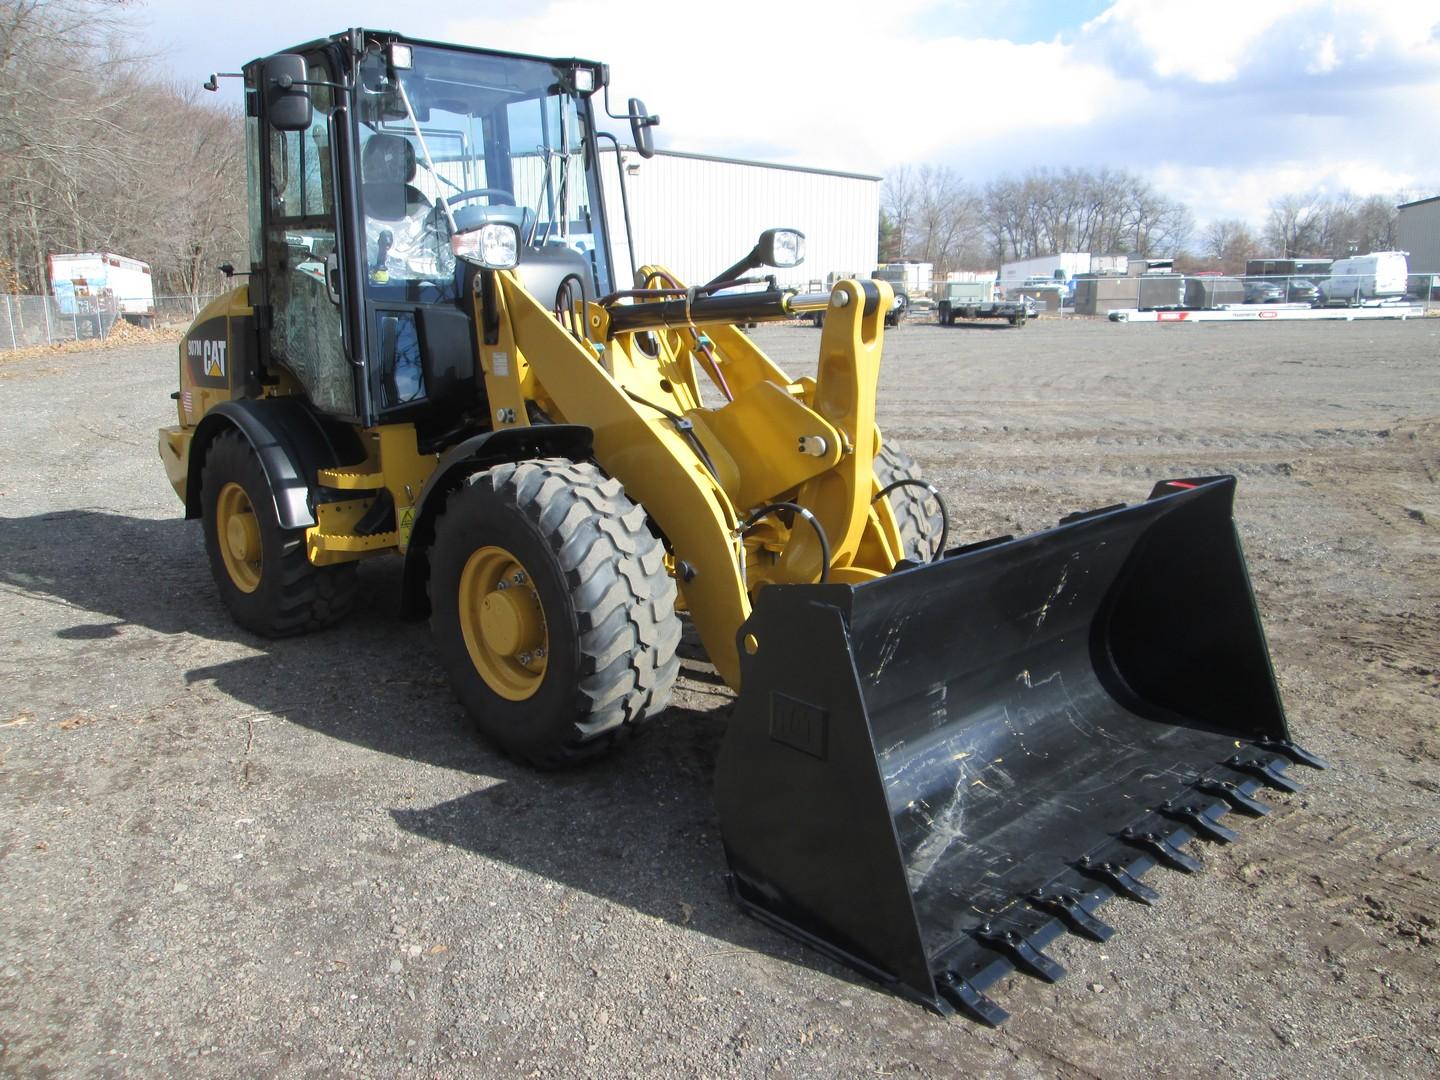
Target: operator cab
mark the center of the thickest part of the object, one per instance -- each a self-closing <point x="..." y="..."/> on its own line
<point x="380" y="169"/>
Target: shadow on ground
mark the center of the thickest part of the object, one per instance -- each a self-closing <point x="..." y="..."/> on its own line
<point x="637" y="828"/>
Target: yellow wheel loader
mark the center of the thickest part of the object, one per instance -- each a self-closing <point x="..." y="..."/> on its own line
<point x="940" y="758"/>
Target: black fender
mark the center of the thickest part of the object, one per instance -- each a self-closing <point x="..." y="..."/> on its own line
<point x="288" y="438"/>
<point x="573" y="441"/>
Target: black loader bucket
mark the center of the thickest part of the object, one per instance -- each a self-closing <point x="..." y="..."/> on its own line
<point x="933" y="775"/>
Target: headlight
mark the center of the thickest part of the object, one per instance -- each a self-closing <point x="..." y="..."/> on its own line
<point x="782" y="248"/>
<point x="494" y="245"/>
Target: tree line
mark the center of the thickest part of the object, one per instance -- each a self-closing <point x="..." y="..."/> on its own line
<point x="930" y="214"/>
<point x="98" y="155"/>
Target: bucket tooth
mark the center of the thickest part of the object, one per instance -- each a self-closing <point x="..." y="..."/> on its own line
<point x="1119" y="879"/>
<point x="1073" y="910"/>
<point x="964" y="997"/>
<point x="1162" y="848"/>
<point x="1270" y="772"/>
<point x="1297" y="754"/>
<point x="1239" y="799"/>
<point x="1202" y="820"/>
<point x="1016" y="947"/>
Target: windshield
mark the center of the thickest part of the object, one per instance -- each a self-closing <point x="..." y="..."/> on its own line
<point x="459" y="139"/>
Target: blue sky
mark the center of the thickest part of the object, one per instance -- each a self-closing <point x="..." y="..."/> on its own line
<point x="1224" y="104"/>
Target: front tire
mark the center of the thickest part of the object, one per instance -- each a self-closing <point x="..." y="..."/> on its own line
<point x="262" y="572"/>
<point x="917" y="514"/>
<point x="552" y="610"/>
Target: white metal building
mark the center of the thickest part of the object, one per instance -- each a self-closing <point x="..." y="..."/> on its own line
<point x="696" y="214"/>
<point x="1417" y="230"/>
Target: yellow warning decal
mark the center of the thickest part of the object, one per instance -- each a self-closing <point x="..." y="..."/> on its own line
<point x="406" y="517"/>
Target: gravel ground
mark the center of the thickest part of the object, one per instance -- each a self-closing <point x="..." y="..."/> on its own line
<point x="224" y="856"/>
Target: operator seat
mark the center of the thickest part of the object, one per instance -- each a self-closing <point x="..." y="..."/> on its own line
<point x="387" y="165"/>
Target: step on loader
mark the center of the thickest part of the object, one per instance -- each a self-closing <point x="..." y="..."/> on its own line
<point x="940" y="758"/>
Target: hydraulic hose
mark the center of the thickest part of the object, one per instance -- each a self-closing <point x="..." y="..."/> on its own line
<point x="765" y="511"/>
<point x="911" y="481"/>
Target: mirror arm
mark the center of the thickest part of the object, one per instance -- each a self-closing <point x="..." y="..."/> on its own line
<point x="650" y="121"/>
<point x="285" y="83"/>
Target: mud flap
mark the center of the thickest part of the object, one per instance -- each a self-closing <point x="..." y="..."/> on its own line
<point x="932" y="776"/>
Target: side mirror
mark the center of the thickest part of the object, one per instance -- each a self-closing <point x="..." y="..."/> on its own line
<point x="283" y="80"/>
<point x="640" y="124"/>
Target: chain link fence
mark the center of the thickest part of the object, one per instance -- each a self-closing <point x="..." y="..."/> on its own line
<point x="39" y="320"/>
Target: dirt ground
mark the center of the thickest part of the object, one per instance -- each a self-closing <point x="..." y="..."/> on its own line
<point x="224" y="856"/>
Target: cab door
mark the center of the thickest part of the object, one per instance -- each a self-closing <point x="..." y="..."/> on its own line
<point x="304" y="263"/>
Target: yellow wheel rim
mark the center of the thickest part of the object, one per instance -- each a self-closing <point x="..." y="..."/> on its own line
<point x="503" y="623"/>
<point x="239" y="535"/>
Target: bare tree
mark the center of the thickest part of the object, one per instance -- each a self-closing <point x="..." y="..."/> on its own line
<point x="1293" y="226"/>
<point x="932" y="216"/>
<point x="1102" y="211"/>
<point x="97" y="156"/>
<point x="1230" y="243"/>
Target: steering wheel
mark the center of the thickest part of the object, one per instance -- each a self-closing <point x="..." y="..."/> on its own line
<point x="475" y="193"/>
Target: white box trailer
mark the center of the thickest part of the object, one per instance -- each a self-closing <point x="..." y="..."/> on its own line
<point x="102" y="287"/>
<point x="1070" y="263"/>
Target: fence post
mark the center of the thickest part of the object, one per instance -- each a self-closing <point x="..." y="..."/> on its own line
<point x="49" y="339"/>
<point x="10" y="311"/>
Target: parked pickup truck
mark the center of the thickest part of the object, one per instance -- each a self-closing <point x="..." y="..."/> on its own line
<point x="976" y="300"/>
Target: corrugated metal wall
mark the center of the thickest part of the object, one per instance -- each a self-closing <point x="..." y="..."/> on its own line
<point x="698" y="215"/>
<point x="1417" y="230"/>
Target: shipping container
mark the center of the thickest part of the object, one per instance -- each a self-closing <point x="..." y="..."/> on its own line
<point x="1100" y="294"/>
<point x="1285" y="268"/>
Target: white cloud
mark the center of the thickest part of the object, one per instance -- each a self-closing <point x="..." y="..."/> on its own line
<point x="1226" y="103"/>
<point x="1206" y="42"/>
<point x="1215" y="193"/>
<point x="1326" y="57"/>
<point x="831" y="86"/>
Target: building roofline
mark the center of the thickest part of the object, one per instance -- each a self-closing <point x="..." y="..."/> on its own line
<point x="1419" y="202"/>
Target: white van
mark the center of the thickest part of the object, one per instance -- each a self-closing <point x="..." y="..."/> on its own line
<point x="1366" y="277"/>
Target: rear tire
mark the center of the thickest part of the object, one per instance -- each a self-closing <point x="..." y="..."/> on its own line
<point x="917" y="514"/>
<point x="265" y="579"/>
<point x="565" y="640"/>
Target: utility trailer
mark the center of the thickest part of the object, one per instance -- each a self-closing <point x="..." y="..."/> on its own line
<point x="976" y="300"/>
<point x="1271" y="312"/>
